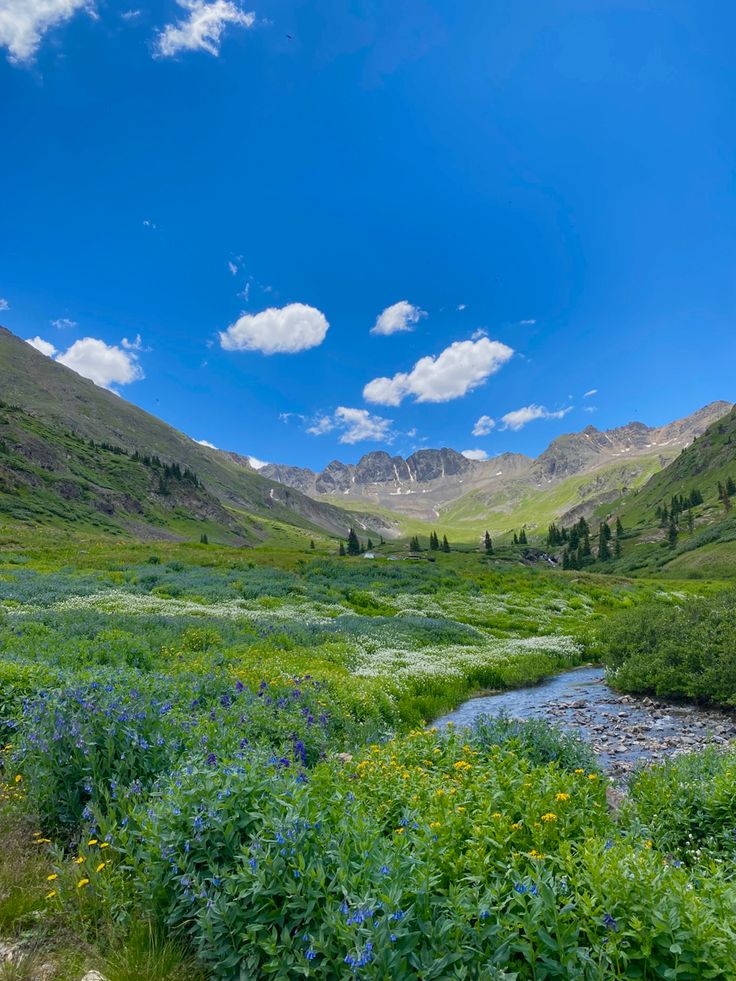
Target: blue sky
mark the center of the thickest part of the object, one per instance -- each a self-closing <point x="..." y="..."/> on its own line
<point x="540" y="195"/>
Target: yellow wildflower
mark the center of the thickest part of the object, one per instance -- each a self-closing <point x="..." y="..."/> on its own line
<point x="100" y="867"/>
<point x="562" y="797"/>
<point x="78" y="861"/>
<point x="549" y="817"/>
<point x="82" y="883"/>
<point x="50" y="895"/>
<point x="92" y="841"/>
<point x="399" y="831"/>
<point x="648" y="843"/>
<point x="580" y="771"/>
<point x="592" y="776"/>
<point x="50" y="878"/>
<point x="18" y="778"/>
<point x="105" y="844"/>
<point x="516" y="825"/>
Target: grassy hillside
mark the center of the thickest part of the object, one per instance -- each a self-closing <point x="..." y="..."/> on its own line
<point x="704" y="544"/>
<point x="70" y="404"/>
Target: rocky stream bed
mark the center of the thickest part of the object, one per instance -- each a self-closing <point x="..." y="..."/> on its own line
<point x="624" y="730"/>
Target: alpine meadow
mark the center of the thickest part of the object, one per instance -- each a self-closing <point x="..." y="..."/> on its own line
<point x="344" y="635"/>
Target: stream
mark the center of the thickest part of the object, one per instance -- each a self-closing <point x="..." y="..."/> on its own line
<point x="624" y="730"/>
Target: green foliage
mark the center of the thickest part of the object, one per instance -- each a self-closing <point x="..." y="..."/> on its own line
<point x="682" y="649"/>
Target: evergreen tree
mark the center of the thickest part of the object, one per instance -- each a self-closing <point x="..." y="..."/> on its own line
<point x="369" y="545"/>
<point x="522" y="537"/>
<point x="434" y="542"/>
<point x="672" y="531"/>
<point x="617" y="547"/>
<point x="619" y="528"/>
<point x="311" y="543"/>
<point x="203" y="539"/>
<point x="414" y="545"/>
<point x="565" y="560"/>
<point x="730" y="487"/>
<point x="584" y="550"/>
<point x="445" y="544"/>
<point x="353" y="543"/>
<point x="341" y="550"/>
<point x="606" y="531"/>
<point x="690" y="521"/>
<point x="488" y="544"/>
<point x="574" y="538"/>
<point x="726" y="501"/>
<point x="516" y="540"/>
<point x="604" y="552"/>
<point x="382" y="541"/>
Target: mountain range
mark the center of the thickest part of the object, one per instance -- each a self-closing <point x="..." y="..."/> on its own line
<point x="575" y="474"/>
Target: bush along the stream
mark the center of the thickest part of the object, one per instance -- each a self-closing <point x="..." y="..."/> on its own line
<point x="682" y="647"/>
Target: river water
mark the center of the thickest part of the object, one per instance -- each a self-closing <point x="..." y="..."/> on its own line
<point x="624" y="730"/>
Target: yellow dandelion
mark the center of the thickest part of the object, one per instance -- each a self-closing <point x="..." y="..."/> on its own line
<point x="105" y="844"/>
<point x="82" y="883"/>
<point x="78" y="861"/>
<point x="562" y="797"/>
<point x="101" y="866"/>
<point x="549" y="817"/>
<point x="50" y="895"/>
<point x="50" y="878"/>
<point x="592" y="776"/>
<point x="92" y="841"/>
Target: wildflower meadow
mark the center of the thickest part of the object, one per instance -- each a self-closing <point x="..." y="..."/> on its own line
<point x="219" y="764"/>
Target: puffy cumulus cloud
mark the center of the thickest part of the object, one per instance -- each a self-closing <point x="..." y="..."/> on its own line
<point x="202" y="30"/>
<point x="520" y="417"/>
<point x="45" y="347"/>
<point x="483" y="426"/>
<point x="206" y="442"/>
<point x="104" y="364"/>
<point x="23" y="23"/>
<point x="277" y="330"/>
<point x="355" y="425"/>
<point x="475" y="454"/>
<point x="461" y="367"/>
<point x="401" y="316"/>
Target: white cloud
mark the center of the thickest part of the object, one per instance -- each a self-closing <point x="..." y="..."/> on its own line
<point x="460" y="368"/>
<point x="475" y="454"/>
<point x="520" y="417"/>
<point x="477" y="334"/>
<point x="206" y="442"/>
<point x="4" y="305"/>
<point x="591" y="393"/>
<point x="483" y="426"/>
<point x="45" y="347"/>
<point x="202" y="30"/>
<point x="233" y="268"/>
<point x="356" y="425"/>
<point x="105" y="364"/>
<point x="136" y="345"/>
<point x="401" y="316"/>
<point x="527" y="322"/>
<point x="277" y="330"/>
<point x="23" y="23"/>
<point x="130" y="14"/>
<point x="320" y="425"/>
<point x="63" y="323"/>
<point x="461" y="306"/>
<point x="256" y="463"/>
